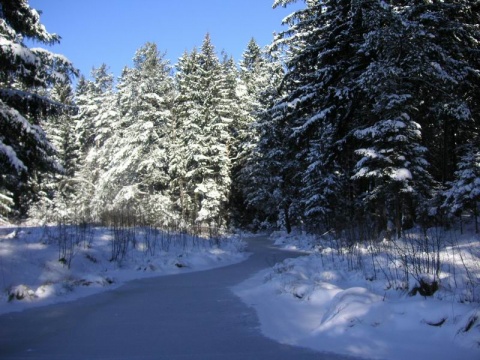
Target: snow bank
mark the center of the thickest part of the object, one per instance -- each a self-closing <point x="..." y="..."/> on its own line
<point x="31" y="273"/>
<point x="325" y="302"/>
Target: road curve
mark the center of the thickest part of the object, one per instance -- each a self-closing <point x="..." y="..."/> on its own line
<point x="187" y="316"/>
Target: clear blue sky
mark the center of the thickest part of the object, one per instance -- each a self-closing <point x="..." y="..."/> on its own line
<point x="110" y="31"/>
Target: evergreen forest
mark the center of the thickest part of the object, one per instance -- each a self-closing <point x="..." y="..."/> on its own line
<point x="362" y="118"/>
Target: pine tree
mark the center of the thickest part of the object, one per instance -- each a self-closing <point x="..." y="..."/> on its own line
<point x="445" y="52"/>
<point x="201" y="164"/>
<point x="315" y="115"/>
<point x="375" y="93"/>
<point x="258" y="175"/>
<point x="57" y="190"/>
<point x="210" y="171"/>
<point x="25" y="151"/>
<point x="463" y="194"/>
<point x="411" y="117"/>
<point x="135" y="156"/>
<point x="260" y="75"/>
<point x="96" y="103"/>
<point x="392" y="165"/>
<point x="185" y="105"/>
<point x="94" y="98"/>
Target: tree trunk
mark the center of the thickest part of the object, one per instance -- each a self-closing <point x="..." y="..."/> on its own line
<point x="475" y="215"/>
<point x="288" y="225"/>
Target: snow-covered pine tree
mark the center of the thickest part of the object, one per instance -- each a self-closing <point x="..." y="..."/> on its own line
<point x="231" y="114"/>
<point x="24" y="72"/>
<point x="184" y="131"/>
<point x="93" y="97"/>
<point x="316" y="113"/>
<point x="201" y="163"/>
<point x="456" y="145"/>
<point x="392" y="82"/>
<point x="260" y="75"/>
<point x="57" y="190"/>
<point x="270" y="167"/>
<point x="243" y="135"/>
<point x="422" y="75"/>
<point x="393" y="170"/>
<point x="210" y="171"/>
<point x="68" y="152"/>
<point x="446" y="37"/>
<point x="135" y="156"/>
<point x="96" y="103"/>
<point x="463" y="194"/>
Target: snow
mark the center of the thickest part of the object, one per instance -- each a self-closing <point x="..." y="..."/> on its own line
<point x="314" y="119"/>
<point x="10" y="154"/>
<point x="31" y="274"/>
<point x="17" y="50"/>
<point x="327" y="302"/>
<point x="401" y="174"/>
<point x="19" y="123"/>
<point x="51" y="56"/>
<point x="322" y="300"/>
<point x="188" y="316"/>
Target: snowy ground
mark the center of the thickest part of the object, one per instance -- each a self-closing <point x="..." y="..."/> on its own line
<point x="34" y="261"/>
<point x="355" y="301"/>
<point x="189" y="316"/>
<point x="335" y="299"/>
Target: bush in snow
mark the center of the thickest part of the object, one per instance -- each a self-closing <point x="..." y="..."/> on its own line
<point x="20" y="292"/>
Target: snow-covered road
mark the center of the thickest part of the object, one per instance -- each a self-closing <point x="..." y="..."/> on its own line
<point x="187" y="316"/>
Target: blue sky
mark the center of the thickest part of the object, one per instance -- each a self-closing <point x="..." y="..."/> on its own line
<point x="110" y="31"/>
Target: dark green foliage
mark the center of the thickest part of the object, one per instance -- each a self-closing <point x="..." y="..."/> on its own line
<point x="25" y="76"/>
<point x="377" y="103"/>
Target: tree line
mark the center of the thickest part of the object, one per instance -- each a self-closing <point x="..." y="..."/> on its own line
<point x="361" y="117"/>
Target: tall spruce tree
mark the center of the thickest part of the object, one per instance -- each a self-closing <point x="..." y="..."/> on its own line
<point x="57" y="190"/>
<point x="135" y="155"/>
<point x="261" y="74"/>
<point x="366" y="85"/>
<point x="232" y="115"/>
<point x="316" y="114"/>
<point x="393" y="171"/>
<point x="463" y="194"/>
<point x="95" y="99"/>
<point x="203" y="119"/>
<point x="25" y="151"/>
<point x="423" y="72"/>
<point x="184" y="131"/>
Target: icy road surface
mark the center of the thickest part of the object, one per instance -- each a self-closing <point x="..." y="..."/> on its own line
<point x="186" y="316"/>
